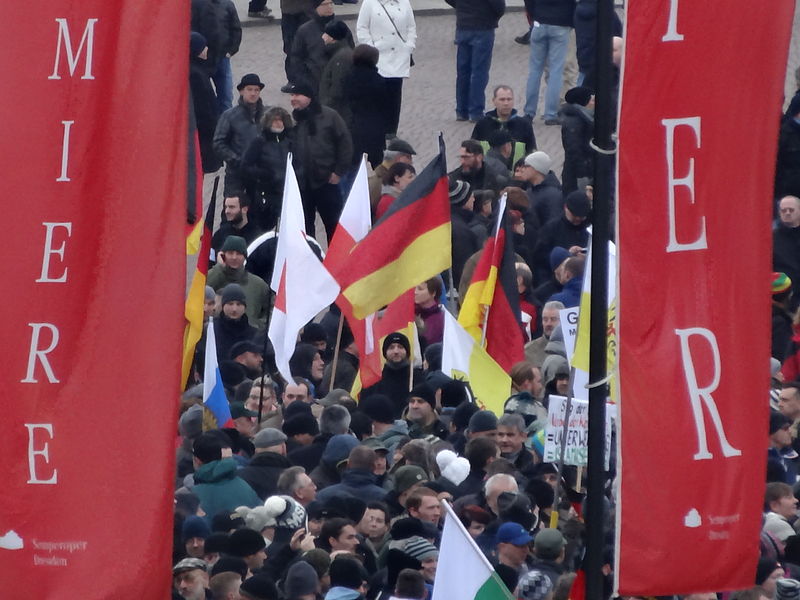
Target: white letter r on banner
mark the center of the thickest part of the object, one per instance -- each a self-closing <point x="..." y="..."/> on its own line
<point x="699" y="395"/>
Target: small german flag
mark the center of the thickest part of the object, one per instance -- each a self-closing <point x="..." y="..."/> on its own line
<point x="409" y="244"/>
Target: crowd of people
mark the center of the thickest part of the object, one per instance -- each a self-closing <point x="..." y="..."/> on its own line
<point x="321" y="491"/>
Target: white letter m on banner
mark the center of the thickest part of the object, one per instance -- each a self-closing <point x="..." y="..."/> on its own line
<point x="702" y="396"/>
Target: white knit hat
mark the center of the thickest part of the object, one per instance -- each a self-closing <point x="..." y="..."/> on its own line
<point x="454" y="468"/>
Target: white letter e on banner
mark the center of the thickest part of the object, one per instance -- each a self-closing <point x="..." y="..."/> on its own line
<point x="688" y="181"/>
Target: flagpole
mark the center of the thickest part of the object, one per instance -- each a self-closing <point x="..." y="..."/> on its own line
<point x="336" y="351"/>
<point x="270" y="294"/>
<point x="451" y="294"/>
<point x="562" y="452"/>
<point x="605" y="150"/>
<point x="485" y="325"/>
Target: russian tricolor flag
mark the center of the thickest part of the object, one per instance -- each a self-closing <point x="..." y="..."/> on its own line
<point x="214" y="398"/>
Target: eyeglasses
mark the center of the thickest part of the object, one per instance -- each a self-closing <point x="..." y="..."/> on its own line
<point x="462" y="156"/>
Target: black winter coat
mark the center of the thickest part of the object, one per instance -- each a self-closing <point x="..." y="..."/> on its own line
<point x="547" y="199"/>
<point x="478" y="14"/>
<point x="368" y="99"/>
<point x="230" y="27"/>
<point x="309" y="456"/>
<point x="786" y="253"/>
<point x="204" y="103"/>
<point x="551" y="12"/>
<point x="466" y="241"/>
<point x="205" y="22"/>
<point x="264" y="162"/>
<point x="577" y="128"/>
<point x="558" y="232"/>
<point x="585" y="23"/>
<point x="322" y="145"/>
<point x="519" y="128"/>
<point x="263" y="472"/>
<point x="787" y="170"/>
<point x="228" y="332"/>
<point x="394" y="384"/>
<point x="307" y="57"/>
<point x="236" y="128"/>
<point x="488" y="177"/>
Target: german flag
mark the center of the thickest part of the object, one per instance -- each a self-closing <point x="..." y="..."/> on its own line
<point x="490" y="310"/>
<point x="409" y="244"/>
<point x="195" y="299"/>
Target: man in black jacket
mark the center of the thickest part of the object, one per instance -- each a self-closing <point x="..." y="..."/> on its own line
<point x="544" y="189"/>
<point x="474" y="169"/>
<point x="308" y="57"/>
<point x="786" y="241"/>
<point x="237" y="127"/>
<point x="323" y="152"/>
<point x="476" y="21"/>
<point x="230" y="38"/>
<point x="466" y="238"/>
<point x="504" y="118"/>
<point x="267" y="464"/>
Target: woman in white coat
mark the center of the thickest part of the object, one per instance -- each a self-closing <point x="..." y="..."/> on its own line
<point x="389" y="26"/>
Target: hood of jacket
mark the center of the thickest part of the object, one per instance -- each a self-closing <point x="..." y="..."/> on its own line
<point x="576" y="110"/>
<point x="341" y="593"/>
<point x="215" y="471"/>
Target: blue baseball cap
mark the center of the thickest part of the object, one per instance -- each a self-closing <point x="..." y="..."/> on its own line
<point x="513" y="533"/>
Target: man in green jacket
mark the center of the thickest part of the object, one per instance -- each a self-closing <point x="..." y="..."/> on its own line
<point x="215" y="481"/>
<point x="230" y="269"/>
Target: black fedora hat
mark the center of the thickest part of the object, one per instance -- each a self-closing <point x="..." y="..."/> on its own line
<point x="250" y="79"/>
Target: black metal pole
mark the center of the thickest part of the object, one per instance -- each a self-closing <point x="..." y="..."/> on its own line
<point x="598" y="324"/>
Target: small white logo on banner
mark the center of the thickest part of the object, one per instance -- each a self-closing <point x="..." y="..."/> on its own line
<point x="11" y="541"/>
<point x="692" y="519"/>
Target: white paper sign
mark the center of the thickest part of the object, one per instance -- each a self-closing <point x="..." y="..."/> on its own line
<point x="576" y="452"/>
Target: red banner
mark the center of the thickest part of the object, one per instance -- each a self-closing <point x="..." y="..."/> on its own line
<point x="93" y="136"/>
<point x="701" y="94"/>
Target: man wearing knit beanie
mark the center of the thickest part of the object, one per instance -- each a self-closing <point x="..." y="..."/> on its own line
<point x="426" y="553"/>
<point x="422" y="417"/>
<point x="395" y="375"/>
<point x="250" y="546"/>
<point x="230" y="269"/>
<point x="194" y="533"/>
<point x="301" y="582"/>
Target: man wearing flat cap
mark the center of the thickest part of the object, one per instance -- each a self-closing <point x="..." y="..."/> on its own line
<point x="397" y="151"/>
<point x="250" y="356"/>
<point x="267" y="464"/>
<point x="230" y="269"/>
<point x="190" y="578"/>
<point x="236" y="128"/>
